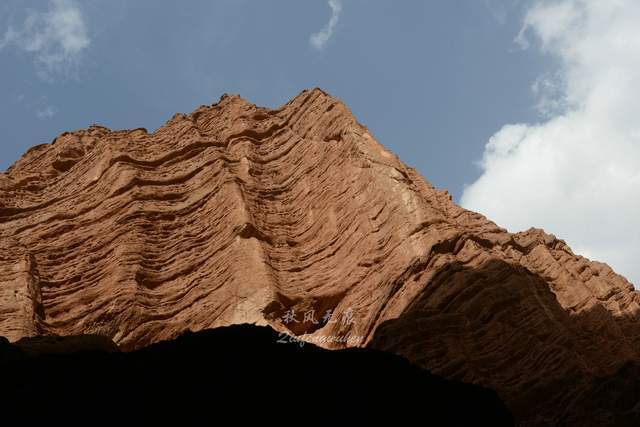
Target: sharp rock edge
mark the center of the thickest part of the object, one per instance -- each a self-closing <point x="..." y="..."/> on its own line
<point x="240" y="214"/>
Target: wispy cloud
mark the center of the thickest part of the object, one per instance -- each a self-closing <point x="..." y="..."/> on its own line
<point x="56" y="38"/>
<point x="319" y="40"/>
<point x="46" y="112"/>
<point x="501" y="9"/>
<point x="577" y="174"/>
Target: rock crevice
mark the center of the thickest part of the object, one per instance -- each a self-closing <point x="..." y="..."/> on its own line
<point x="241" y="214"/>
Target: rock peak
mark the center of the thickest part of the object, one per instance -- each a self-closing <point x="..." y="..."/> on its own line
<point x="296" y="217"/>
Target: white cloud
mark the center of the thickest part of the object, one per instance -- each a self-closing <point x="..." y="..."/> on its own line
<point x="46" y="112"/>
<point x="500" y="9"/>
<point x="578" y="174"/>
<point x="319" y="40"/>
<point x="549" y="90"/>
<point x="56" y="38"/>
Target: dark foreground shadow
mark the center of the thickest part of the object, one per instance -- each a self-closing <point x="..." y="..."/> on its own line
<point x="231" y="375"/>
<point x="499" y="325"/>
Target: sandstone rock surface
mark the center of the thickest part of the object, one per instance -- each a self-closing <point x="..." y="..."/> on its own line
<point x="298" y="218"/>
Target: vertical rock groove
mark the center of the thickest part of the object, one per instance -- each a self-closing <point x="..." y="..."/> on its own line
<point x="240" y="214"/>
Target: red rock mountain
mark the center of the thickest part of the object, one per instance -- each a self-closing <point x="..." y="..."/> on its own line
<point x="298" y="218"/>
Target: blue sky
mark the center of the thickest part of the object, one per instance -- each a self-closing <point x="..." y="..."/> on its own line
<point x="432" y="80"/>
<point x="523" y="109"/>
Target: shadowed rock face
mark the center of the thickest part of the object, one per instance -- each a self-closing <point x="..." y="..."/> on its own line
<point x="299" y="219"/>
<point x="240" y="372"/>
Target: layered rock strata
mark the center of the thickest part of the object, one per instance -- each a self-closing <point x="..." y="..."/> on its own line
<point x="298" y="218"/>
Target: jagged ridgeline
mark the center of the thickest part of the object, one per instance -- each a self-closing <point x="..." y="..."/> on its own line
<point x="299" y="219"/>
